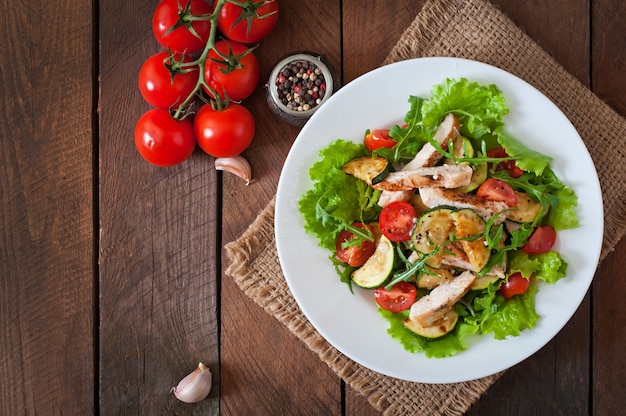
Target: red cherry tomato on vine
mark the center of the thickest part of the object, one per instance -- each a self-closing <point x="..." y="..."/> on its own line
<point x="508" y="165"/>
<point x="248" y="23"/>
<point x="355" y="255"/>
<point x="170" y="13"/>
<point x="379" y="138"/>
<point x="224" y="133"/>
<point x="237" y="75"/>
<point x="397" y="221"/>
<point x="541" y="240"/>
<point x="399" y="298"/>
<point x="497" y="190"/>
<point x="163" y="141"/>
<point x="159" y="87"/>
<point x="515" y="284"/>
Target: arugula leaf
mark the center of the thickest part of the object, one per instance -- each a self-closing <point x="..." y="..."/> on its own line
<point x="410" y="137"/>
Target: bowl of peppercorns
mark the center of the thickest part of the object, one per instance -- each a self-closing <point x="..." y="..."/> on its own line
<point x="298" y="85"/>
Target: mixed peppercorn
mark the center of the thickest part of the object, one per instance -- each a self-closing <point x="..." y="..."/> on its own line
<point x="301" y="85"/>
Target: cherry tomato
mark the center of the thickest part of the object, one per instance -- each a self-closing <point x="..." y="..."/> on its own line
<point x="160" y="87"/>
<point x="248" y="23"/>
<point x="355" y="255"/>
<point x="399" y="298"/>
<point x="397" y="221"/>
<point x="379" y="138"/>
<point x="508" y="165"/>
<point x="224" y="133"/>
<point x="163" y="141"/>
<point x="236" y="75"/>
<point x="541" y="240"/>
<point x="515" y="284"/>
<point x="497" y="190"/>
<point x="170" y="13"/>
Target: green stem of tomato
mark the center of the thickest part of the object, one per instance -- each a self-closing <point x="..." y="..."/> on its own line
<point x="200" y="62"/>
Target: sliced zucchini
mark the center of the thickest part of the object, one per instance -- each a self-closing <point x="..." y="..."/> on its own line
<point x="482" y="282"/>
<point x="378" y="267"/>
<point x="369" y="169"/>
<point x="439" y="329"/>
<point x="433" y="229"/>
<point x="468" y="224"/>
<point x="526" y="209"/>
<point x="433" y="278"/>
<point x="478" y="177"/>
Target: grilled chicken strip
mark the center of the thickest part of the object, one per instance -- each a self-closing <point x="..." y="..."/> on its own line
<point x="446" y="176"/>
<point x="433" y="307"/>
<point x="433" y="197"/>
<point x="427" y="156"/>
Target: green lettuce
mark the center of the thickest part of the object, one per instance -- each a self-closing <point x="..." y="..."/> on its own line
<point x="480" y="108"/>
<point x="548" y="267"/>
<point x="336" y="198"/>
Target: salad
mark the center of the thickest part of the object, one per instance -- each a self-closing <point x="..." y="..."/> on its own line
<point x="449" y="222"/>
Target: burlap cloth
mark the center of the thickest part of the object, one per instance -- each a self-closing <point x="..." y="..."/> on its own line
<point x="472" y="29"/>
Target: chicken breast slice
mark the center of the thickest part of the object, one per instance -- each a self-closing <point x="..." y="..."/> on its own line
<point x="446" y="176"/>
<point x="433" y="307"/>
<point x="426" y="156"/>
<point x="433" y="197"/>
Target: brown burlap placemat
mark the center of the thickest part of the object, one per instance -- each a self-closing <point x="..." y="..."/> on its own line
<point x="472" y="29"/>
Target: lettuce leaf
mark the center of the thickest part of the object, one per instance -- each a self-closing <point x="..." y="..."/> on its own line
<point x="336" y="198"/>
<point x="480" y="108"/>
<point x="527" y="159"/>
<point x="548" y="267"/>
<point x="446" y="346"/>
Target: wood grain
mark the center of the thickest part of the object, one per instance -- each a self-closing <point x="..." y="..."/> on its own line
<point x="111" y="270"/>
<point x="46" y="216"/>
<point x="266" y="369"/>
<point x="158" y="243"/>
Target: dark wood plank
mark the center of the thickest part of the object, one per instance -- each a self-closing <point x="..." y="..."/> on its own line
<point x="609" y="287"/>
<point x="46" y="219"/>
<point x="158" y="243"/>
<point x="266" y="369"/>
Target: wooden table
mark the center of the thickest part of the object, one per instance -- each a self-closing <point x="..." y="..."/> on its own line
<point x="112" y="283"/>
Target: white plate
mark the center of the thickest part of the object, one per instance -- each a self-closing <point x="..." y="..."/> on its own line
<point x="351" y="323"/>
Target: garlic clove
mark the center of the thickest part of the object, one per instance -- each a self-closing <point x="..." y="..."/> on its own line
<point x="195" y="386"/>
<point x="236" y="165"/>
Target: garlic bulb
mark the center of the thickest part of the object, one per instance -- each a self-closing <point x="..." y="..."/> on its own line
<point x="236" y="165"/>
<point x="194" y="387"/>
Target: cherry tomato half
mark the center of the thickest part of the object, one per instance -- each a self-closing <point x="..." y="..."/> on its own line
<point x="170" y="13"/>
<point x="356" y="255"/>
<point x="399" y="298"/>
<point x="163" y="141"/>
<point x="224" y="133"/>
<point x="236" y="75"/>
<point x="379" y="138"/>
<point x="497" y="190"/>
<point x="508" y="165"/>
<point x="159" y="87"/>
<point x="515" y="284"/>
<point x="397" y="221"/>
<point x="248" y="23"/>
<point x="541" y="240"/>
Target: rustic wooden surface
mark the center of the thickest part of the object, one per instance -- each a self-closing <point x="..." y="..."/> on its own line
<point x="111" y="271"/>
